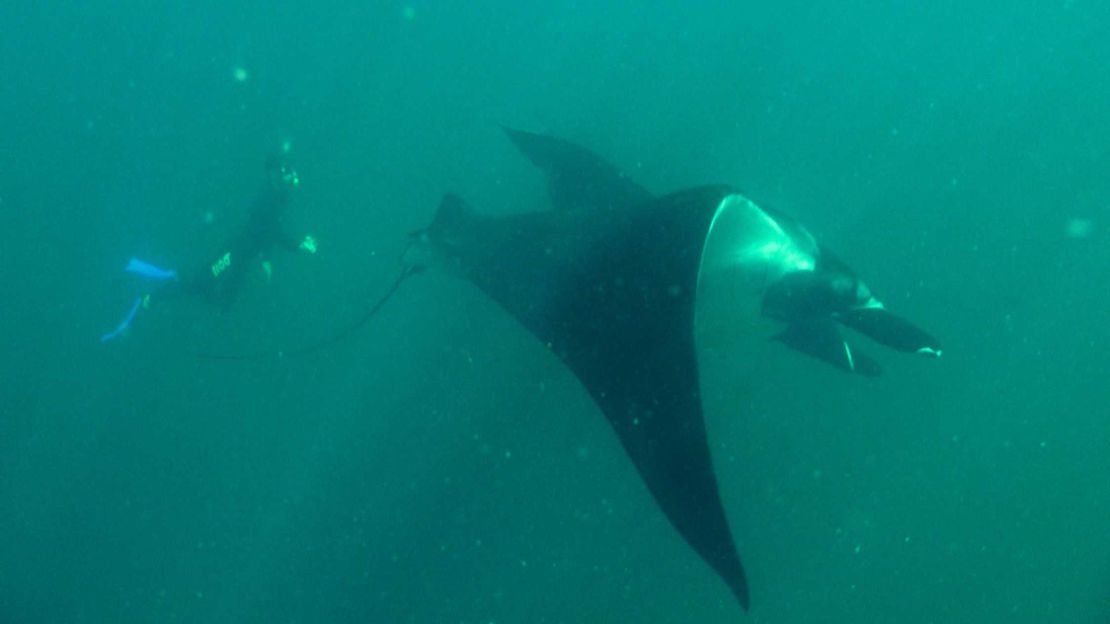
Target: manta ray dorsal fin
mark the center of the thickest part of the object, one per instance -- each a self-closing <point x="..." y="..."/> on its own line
<point x="576" y="177"/>
<point x="452" y="213"/>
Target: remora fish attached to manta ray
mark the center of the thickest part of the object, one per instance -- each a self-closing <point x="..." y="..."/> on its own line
<point x="609" y="278"/>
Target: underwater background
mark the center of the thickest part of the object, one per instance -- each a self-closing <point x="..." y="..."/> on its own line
<point x="441" y="466"/>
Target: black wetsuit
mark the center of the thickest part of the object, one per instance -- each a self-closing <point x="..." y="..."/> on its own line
<point x="220" y="279"/>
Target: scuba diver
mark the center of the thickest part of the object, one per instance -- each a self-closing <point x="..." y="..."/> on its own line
<point x="220" y="280"/>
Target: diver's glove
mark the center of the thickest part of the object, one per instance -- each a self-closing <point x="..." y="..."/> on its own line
<point x="308" y="244"/>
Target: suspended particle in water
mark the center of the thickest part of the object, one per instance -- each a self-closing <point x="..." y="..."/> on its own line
<point x="240" y="73"/>
<point x="408" y="12"/>
<point x="1078" y="227"/>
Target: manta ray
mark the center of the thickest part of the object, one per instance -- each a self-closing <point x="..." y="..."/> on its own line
<point x="608" y="279"/>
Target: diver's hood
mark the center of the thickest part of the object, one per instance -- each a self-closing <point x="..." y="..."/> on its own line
<point x="747" y="249"/>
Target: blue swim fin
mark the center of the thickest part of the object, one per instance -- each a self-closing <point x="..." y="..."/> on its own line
<point x="125" y="323"/>
<point x="148" y="270"/>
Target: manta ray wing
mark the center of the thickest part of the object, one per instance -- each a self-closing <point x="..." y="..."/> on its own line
<point x="611" y="293"/>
